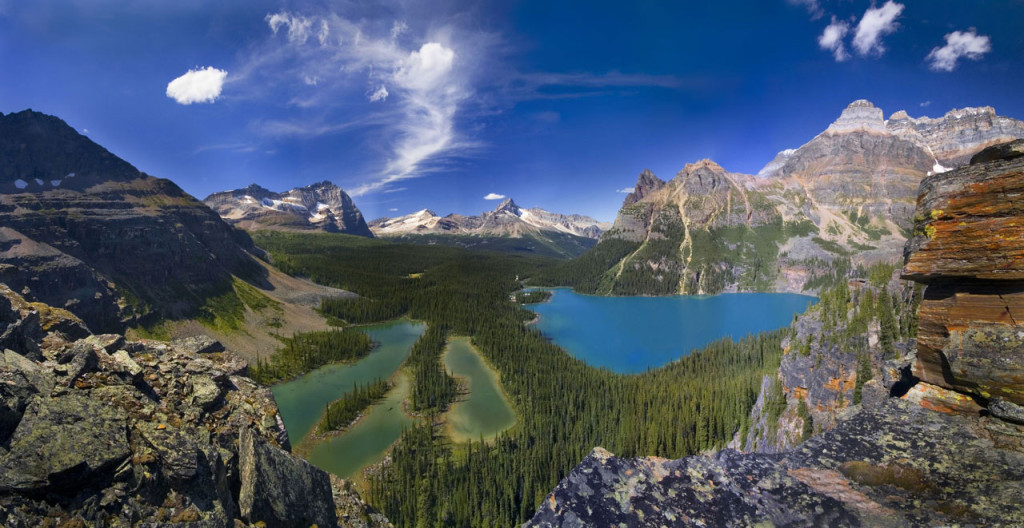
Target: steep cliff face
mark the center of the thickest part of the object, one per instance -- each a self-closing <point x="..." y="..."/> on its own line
<point x="320" y="206"/>
<point x="935" y="437"/>
<point x="101" y="238"/>
<point x="99" y="431"/>
<point x="847" y="193"/>
<point x="705" y="231"/>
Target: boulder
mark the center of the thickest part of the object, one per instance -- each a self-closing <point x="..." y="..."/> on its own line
<point x="62" y="442"/>
<point x="205" y="392"/>
<point x="199" y="344"/>
<point x="108" y="342"/>
<point x="19" y="382"/>
<point x="1007" y="411"/>
<point x="280" y="489"/>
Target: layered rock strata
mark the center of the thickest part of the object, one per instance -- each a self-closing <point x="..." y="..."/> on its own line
<point x="86" y="231"/>
<point x="967" y="248"/>
<point x="99" y="431"/>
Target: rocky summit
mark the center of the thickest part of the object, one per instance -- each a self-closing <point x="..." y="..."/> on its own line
<point x="847" y="193"/>
<point x="936" y="440"/>
<point x="320" y="206"/>
<point x="96" y="430"/>
<point x="83" y="230"/>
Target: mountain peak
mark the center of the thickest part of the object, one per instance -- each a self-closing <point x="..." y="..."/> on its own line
<point x="508" y="205"/>
<point x="861" y="103"/>
<point x="255" y="188"/>
<point x="646" y="184"/>
<point x="705" y="163"/>
<point x="858" y="116"/>
<point x="326" y="184"/>
<point x="42" y="152"/>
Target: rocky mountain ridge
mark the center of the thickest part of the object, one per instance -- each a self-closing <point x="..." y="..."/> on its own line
<point x="847" y="193"/>
<point x="320" y="206"/>
<point x="84" y="230"/>
<point x="96" y="430"/>
<point x="934" y="437"/>
<point x="507" y="219"/>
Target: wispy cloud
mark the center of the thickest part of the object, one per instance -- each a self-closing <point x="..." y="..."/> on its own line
<point x="876" y="23"/>
<point x="235" y="147"/>
<point x="417" y="94"/>
<point x="813" y="7"/>
<point x="832" y="39"/>
<point x="959" y="44"/>
<point x="197" y="86"/>
<point x="925" y="104"/>
<point x="494" y="196"/>
<point x="624" y="190"/>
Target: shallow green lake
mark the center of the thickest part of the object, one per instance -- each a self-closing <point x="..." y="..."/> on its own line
<point x="367" y="441"/>
<point x="485" y="411"/>
<point x="302" y="401"/>
<point x="630" y="334"/>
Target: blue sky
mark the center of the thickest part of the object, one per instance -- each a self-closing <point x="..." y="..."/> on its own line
<point x="411" y="105"/>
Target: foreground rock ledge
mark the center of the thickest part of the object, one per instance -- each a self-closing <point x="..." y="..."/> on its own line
<point x="99" y="431"/>
<point x="897" y="465"/>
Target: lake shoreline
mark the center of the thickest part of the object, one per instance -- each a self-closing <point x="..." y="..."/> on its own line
<point x="632" y="334"/>
<point x="489" y="371"/>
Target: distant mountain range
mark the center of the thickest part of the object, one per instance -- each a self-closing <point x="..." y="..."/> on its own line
<point x="321" y="206"/>
<point x="848" y="192"/>
<point x="508" y="227"/>
<point x="508" y="219"/>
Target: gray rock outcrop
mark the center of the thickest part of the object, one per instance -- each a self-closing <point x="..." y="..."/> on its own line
<point x="280" y="489"/>
<point x="96" y="430"/>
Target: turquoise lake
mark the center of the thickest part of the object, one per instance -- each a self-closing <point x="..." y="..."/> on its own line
<point x="302" y="401"/>
<point x="630" y="334"/>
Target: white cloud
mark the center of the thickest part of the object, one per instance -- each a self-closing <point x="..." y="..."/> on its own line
<point x="299" y="28"/>
<point x="832" y="39"/>
<point x="430" y="93"/>
<point x="968" y="44"/>
<point x="393" y="209"/>
<point x="494" y="196"/>
<point x="398" y="28"/>
<point x="197" y="86"/>
<point x="875" y="24"/>
<point x="324" y="33"/>
<point x="379" y="94"/>
<point x="624" y="190"/>
<point x="926" y="104"/>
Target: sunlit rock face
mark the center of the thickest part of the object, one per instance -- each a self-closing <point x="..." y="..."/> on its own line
<point x="849" y="191"/>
